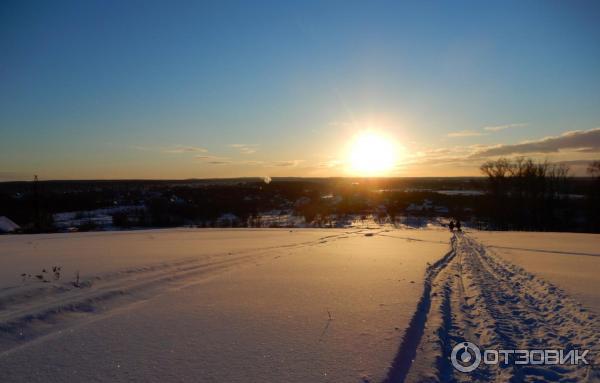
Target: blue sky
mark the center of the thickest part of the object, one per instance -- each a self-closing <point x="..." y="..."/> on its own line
<point x="157" y="89"/>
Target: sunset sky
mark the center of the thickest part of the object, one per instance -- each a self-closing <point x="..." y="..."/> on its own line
<point x="193" y="89"/>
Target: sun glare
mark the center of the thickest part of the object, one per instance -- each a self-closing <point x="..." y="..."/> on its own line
<point x="372" y="154"/>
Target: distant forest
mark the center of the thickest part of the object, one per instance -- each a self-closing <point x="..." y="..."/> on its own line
<point x="517" y="194"/>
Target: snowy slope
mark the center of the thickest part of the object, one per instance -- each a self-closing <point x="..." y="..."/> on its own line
<point x="211" y="305"/>
<point x="308" y="305"/>
<point x="568" y="260"/>
<point x="480" y="297"/>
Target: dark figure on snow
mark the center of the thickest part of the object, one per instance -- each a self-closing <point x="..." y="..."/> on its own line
<point x="451" y="225"/>
<point x="458" y="225"/>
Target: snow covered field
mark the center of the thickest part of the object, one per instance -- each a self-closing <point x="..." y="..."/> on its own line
<point x="482" y="297"/>
<point x="569" y="260"/>
<point x="210" y="305"/>
<point x="306" y="305"/>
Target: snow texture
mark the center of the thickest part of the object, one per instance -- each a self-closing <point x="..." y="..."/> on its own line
<point x="302" y="305"/>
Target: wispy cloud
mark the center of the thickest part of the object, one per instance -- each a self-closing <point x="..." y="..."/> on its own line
<point x="497" y="128"/>
<point x="245" y="148"/>
<point x="209" y="157"/>
<point x="184" y="149"/>
<point x="573" y="148"/>
<point x="286" y="163"/>
<point x="485" y="131"/>
<point x="252" y="163"/>
<point x="334" y="163"/>
<point x="214" y="160"/>
<point x="466" y="133"/>
<point x="586" y="141"/>
<point x="219" y="162"/>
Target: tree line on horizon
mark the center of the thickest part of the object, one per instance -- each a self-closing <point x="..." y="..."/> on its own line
<point x="536" y="195"/>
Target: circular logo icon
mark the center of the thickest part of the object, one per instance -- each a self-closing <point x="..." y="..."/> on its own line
<point x="465" y="357"/>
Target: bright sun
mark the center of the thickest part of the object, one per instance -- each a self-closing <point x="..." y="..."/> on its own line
<point x="371" y="154"/>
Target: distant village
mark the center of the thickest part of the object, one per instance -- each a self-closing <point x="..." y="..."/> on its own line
<point x="246" y="203"/>
<point x="74" y="206"/>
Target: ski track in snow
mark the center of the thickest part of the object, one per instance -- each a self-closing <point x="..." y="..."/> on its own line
<point x="469" y="294"/>
<point x="32" y="312"/>
<point x="473" y="295"/>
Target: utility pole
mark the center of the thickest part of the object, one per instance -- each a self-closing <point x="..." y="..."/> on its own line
<point x="36" y="204"/>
